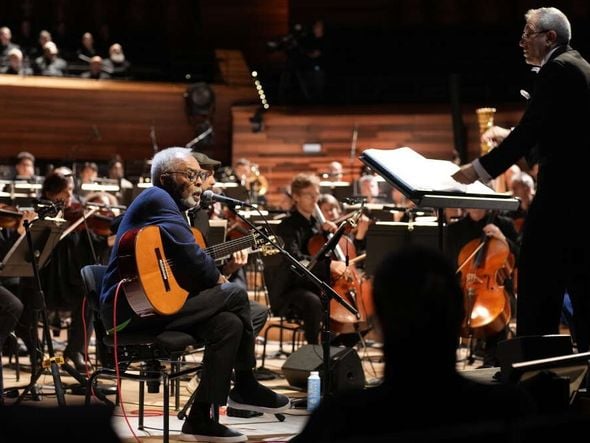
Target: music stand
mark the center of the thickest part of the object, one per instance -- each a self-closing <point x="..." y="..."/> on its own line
<point x="428" y="183"/>
<point x="33" y="254"/>
<point x="44" y="235"/>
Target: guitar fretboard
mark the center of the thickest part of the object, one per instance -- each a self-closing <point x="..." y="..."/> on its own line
<point x="222" y="250"/>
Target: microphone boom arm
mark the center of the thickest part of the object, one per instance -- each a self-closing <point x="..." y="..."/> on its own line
<point x="325" y="288"/>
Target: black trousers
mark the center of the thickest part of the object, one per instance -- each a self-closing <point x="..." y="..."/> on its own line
<point x="307" y="306"/>
<point x="220" y="318"/>
<point x="11" y="309"/>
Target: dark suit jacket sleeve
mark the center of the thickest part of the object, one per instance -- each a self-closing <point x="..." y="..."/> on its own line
<point x="552" y="84"/>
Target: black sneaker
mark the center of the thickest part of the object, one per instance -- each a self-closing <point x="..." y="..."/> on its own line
<point x="258" y="398"/>
<point x="210" y="431"/>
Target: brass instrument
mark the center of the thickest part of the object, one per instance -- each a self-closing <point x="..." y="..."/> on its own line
<point x="485" y="119"/>
<point x="257" y="183"/>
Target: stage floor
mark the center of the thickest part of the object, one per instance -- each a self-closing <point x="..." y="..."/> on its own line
<point x="263" y="428"/>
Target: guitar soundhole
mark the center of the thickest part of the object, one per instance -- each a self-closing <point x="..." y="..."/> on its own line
<point x="163" y="270"/>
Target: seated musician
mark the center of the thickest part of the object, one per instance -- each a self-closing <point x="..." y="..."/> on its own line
<point x="332" y="211"/>
<point x="25" y="167"/>
<point x="233" y="268"/>
<point x="11" y="298"/>
<point x="61" y="277"/>
<point x="481" y="224"/>
<point x="295" y="294"/>
<point x="215" y="312"/>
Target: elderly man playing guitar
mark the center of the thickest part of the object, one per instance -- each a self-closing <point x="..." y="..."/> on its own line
<point x="194" y="296"/>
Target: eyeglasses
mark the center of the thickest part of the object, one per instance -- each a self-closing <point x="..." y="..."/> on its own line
<point x="313" y="195"/>
<point x="192" y="174"/>
<point x="528" y="35"/>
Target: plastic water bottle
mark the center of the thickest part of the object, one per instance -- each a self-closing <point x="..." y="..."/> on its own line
<point x="313" y="390"/>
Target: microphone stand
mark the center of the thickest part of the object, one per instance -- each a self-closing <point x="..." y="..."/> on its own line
<point x="199" y="137"/>
<point x="326" y="293"/>
<point x="54" y="362"/>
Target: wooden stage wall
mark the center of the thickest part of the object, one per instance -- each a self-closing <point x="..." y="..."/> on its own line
<point x="278" y="148"/>
<point x="71" y="119"/>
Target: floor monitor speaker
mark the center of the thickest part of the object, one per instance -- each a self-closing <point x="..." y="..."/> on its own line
<point x="346" y="369"/>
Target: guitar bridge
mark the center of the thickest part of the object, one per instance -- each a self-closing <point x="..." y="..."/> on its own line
<point x="163" y="270"/>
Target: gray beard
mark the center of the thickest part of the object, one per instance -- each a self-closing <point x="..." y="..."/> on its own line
<point x="189" y="202"/>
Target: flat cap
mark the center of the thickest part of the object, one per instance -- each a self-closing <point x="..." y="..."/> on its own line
<point x="205" y="160"/>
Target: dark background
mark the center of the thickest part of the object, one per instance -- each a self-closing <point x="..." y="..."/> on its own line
<point x="377" y="51"/>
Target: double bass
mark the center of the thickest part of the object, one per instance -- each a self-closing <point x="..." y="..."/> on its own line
<point x="485" y="263"/>
<point x="350" y="285"/>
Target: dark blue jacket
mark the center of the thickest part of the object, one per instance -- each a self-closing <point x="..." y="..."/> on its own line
<point x="193" y="269"/>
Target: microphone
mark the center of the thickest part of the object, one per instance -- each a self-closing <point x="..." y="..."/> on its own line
<point x="329" y="245"/>
<point x="208" y="197"/>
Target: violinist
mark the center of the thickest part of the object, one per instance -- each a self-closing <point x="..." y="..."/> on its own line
<point x="61" y="277"/>
<point x="481" y="224"/>
<point x="294" y="294"/>
<point x="11" y="298"/>
<point x="332" y="211"/>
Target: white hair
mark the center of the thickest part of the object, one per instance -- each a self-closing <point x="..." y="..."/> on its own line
<point x="164" y="159"/>
<point x="551" y="19"/>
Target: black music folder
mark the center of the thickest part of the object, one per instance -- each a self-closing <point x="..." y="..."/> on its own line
<point x="428" y="182"/>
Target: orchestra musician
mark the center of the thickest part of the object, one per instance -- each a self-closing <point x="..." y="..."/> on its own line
<point x="332" y="211"/>
<point x="295" y="294"/>
<point x="60" y="277"/>
<point x="215" y="312"/>
<point x="233" y="268"/>
<point x="12" y="301"/>
<point x="481" y="224"/>
<point x="248" y="175"/>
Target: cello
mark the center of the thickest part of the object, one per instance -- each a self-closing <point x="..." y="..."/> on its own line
<point x="350" y="285"/>
<point x="485" y="263"/>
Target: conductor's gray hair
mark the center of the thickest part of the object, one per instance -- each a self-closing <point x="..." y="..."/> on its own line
<point x="548" y="19"/>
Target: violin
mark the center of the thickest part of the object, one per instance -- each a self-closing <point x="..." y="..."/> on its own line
<point x="10" y="216"/>
<point x="485" y="263"/>
<point x="350" y="285"/>
<point x="96" y="217"/>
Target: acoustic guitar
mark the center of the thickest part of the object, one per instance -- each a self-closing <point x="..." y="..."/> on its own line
<point x="151" y="287"/>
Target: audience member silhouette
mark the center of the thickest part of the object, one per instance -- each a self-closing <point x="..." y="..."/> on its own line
<point x="419" y="305"/>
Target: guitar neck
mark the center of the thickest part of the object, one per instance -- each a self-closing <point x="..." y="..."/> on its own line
<point x="224" y="250"/>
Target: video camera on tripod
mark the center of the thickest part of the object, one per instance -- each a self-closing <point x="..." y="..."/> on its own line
<point x="288" y="42"/>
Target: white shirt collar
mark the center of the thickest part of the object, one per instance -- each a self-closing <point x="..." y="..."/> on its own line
<point x="546" y="58"/>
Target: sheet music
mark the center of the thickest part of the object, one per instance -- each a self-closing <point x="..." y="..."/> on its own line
<point x="417" y="173"/>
